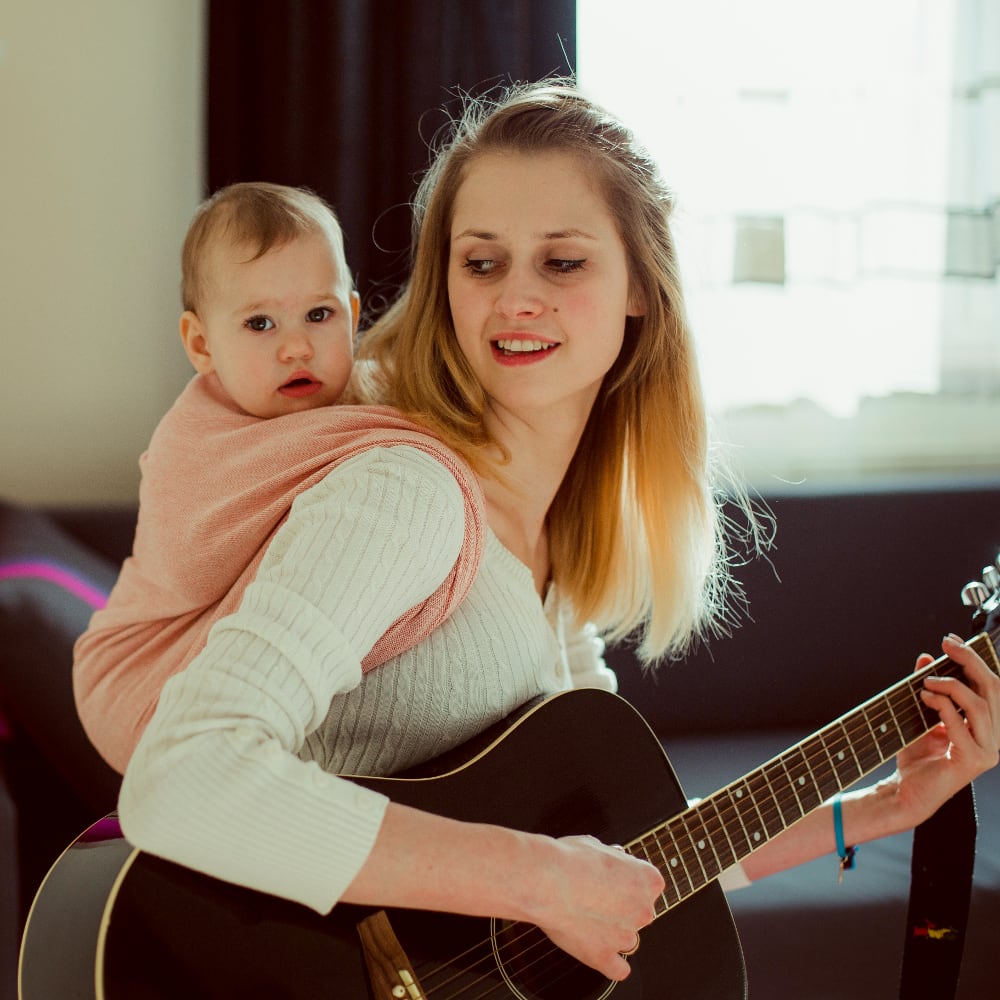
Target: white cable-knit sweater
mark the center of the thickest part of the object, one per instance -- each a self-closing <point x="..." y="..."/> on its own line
<point x="236" y="773"/>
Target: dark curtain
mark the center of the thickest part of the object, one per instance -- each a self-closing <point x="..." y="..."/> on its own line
<point x="343" y="96"/>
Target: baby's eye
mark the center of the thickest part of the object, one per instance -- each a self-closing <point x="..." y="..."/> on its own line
<point x="259" y="324"/>
<point x="564" y="266"/>
<point x="319" y="314"/>
<point x="481" y="267"/>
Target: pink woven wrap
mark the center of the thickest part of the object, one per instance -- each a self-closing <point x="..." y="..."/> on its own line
<point x="216" y="486"/>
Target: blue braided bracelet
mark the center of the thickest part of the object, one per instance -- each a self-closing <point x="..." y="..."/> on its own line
<point x="846" y="854"/>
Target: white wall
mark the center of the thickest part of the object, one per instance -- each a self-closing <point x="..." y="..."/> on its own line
<point x="101" y="125"/>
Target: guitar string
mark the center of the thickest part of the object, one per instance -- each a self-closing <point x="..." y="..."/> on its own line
<point x="511" y="952"/>
<point x="565" y="965"/>
<point x="788" y="801"/>
<point x="486" y="945"/>
<point x="836" y="738"/>
<point x="825" y="746"/>
<point x="833" y="741"/>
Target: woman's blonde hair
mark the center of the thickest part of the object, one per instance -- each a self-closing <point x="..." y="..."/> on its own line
<point x="635" y="534"/>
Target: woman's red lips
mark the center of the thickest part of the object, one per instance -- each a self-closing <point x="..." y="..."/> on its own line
<point x="521" y="349"/>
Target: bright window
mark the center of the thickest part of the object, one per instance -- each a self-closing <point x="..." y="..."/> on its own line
<point x="837" y="170"/>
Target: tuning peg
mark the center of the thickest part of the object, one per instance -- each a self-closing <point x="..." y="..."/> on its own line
<point x="991" y="577"/>
<point x="975" y="594"/>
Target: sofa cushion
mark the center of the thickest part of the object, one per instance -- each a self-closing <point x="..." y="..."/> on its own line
<point x="49" y="587"/>
<point x="855" y="587"/>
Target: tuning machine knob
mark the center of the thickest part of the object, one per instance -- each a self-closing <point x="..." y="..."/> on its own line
<point x="991" y="577"/>
<point x="975" y="594"/>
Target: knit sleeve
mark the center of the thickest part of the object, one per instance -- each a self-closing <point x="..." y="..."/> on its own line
<point x="215" y="783"/>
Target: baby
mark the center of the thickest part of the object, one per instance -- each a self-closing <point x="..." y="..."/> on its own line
<point x="269" y="319"/>
<point x="270" y="315"/>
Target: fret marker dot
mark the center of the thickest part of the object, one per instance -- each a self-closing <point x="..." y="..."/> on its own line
<point x="802" y="781"/>
<point x="840" y="756"/>
<point x="883" y="728"/>
<point x="673" y="862"/>
<point x="701" y="845"/>
<point x="739" y="793"/>
<point x="756" y="835"/>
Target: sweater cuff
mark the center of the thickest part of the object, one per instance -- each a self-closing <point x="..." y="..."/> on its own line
<point x="734" y="878"/>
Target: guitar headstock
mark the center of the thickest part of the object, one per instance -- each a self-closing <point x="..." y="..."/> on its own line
<point x="984" y="597"/>
<point x="984" y="594"/>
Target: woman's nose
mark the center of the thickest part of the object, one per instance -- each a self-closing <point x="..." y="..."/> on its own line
<point x="519" y="294"/>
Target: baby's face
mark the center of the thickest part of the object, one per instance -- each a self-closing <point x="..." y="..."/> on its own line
<point x="279" y="330"/>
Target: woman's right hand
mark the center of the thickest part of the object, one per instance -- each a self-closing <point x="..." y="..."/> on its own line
<point x="590" y="899"/>
<point x="596" y="900"/>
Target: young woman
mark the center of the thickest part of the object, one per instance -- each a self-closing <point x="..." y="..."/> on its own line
<point x="542" y="336"/>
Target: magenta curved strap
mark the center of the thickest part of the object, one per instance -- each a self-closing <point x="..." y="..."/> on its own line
<point x="58" y="575"/>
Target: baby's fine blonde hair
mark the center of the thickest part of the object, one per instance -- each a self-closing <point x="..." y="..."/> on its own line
<point x="255" y="214"/>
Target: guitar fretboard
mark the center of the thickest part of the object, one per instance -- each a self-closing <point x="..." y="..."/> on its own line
<point x="697" y="845"/>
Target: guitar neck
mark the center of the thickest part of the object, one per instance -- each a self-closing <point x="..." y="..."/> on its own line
<point x="697" y="845"/>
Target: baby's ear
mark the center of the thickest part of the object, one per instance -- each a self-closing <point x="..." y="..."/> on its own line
<point x="196" y="343"/>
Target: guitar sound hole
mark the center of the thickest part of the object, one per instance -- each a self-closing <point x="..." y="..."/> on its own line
<point x="535" y="969"/>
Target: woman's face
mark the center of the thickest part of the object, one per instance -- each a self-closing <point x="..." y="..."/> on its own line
<point x="538" y="284"/>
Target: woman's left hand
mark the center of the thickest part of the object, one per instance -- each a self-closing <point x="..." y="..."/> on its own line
<point x="962" y="746"/>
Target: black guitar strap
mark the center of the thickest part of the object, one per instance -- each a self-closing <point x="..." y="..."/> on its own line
<point x="944" y="848"/>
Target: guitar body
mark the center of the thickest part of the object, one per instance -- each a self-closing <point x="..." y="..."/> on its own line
<point x="113" y="923"/>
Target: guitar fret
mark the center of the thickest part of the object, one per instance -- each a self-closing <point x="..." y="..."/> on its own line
<point x="854" y="755"/>
<point x="746" y="805"/>
<point x="733" y="809"/>
<point x="841" y="756"/>
<point x="895" y="721"/>
<point x="678" y="866"/>
<point x="806" y="788"/>
<point x="927" y="715"/>
<point x="641" y="847"/>
<point x="788" y="808"/>
<point x="718" y="838"/>
<point x="926" y="718"/>
<point x="793" y="800"/>
<point x="729" y="825"/>
<point x="761" y="791"/>
<point x="885" y="745"/>
<point x="666" y="869"/>
<point x="833" y="780"/>
<point x="698" y="841"/>
<point x="871" y="753"/>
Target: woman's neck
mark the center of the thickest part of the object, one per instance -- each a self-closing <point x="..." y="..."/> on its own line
<point x="519" y="497"/>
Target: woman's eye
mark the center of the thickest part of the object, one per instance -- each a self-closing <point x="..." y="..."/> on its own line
<point x="481" y="267"/>
<point x="259" y="324"/>
<point x="564" y="266"/>
<point x="319" y="314"/>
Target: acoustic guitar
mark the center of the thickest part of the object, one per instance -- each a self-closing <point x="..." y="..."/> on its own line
<point x="112" y="923"/>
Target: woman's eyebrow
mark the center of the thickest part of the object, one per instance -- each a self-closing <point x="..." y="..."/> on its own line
<point x="477" y="234"/>
<point x="556" y="234"/>
<point x="566" y="234"/>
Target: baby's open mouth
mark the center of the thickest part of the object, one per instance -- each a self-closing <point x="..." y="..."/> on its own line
<point x="300" y="385"/>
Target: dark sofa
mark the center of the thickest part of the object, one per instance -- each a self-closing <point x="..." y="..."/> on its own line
<point x="856" y="586"/>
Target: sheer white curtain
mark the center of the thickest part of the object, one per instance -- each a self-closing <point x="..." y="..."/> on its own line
<point x="838" y="177"/>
